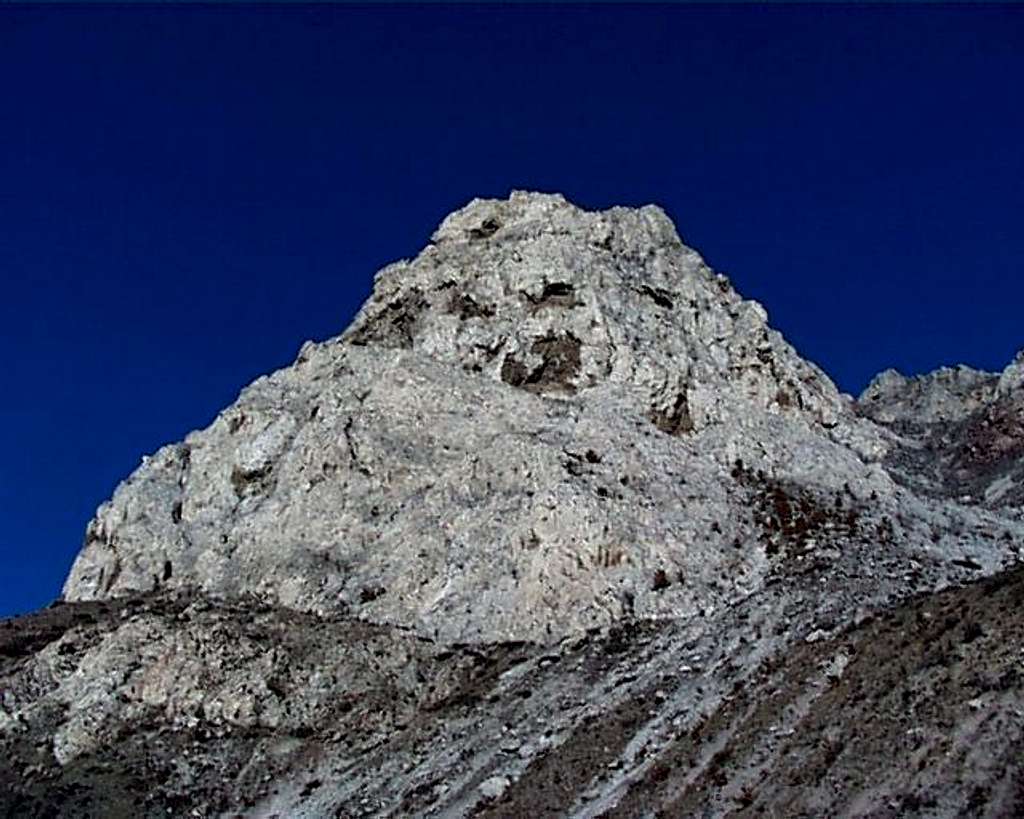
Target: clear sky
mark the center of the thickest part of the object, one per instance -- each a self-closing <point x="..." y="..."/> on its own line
<point x="187" y="193"/>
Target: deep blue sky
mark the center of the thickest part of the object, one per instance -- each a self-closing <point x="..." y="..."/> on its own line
<point x="187" y="193"/>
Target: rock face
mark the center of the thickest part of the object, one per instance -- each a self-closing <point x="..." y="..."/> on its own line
<point x="955" y="433"/>
<point x="529" y="430"/>
<point x="560" y="525"/>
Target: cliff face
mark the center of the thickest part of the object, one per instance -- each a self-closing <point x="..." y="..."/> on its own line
<point x="547" y="421"/>
<point x="559" y="523"/>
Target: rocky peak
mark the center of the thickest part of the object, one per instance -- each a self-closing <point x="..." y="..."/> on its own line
<point x="943" y="395"/>
<point x="554" y="300"/>
<point x="957" y="432"/>
<point x="550" y="420"/>
<point x="559" y="526"/>
<point x="946" y="394"/>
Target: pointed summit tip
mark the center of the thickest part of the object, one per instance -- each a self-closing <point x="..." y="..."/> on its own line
<point x="544" y="296"/>
<point x="527" y="212"/>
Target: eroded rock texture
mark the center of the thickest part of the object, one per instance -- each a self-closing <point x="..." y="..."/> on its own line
<point x="559" y="526"/>
<point x="956" y="433"/>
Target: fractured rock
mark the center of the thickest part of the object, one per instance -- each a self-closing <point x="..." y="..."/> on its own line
<point x="558" y="527"/>
<point x="431" y="467"/>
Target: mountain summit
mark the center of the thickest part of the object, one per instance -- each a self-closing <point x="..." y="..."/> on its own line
<point x="559" y="525"/>
<point x="529" y="430"/>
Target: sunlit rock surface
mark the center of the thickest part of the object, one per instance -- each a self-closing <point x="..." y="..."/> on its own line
<point x="537" y="426"/>
<point x="558" y="526"/>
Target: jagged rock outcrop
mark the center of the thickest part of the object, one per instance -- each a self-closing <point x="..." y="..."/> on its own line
<point x="956" y="433"/>
<point x="1011" y="380"/>
<point x="529" y="430"/>
<point x="947" y="394"/>
<point x="559" y="526"/>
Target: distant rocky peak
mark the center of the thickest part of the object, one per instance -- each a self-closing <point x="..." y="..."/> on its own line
<point x="943" y="395"/>
<point x="555" y="300"/>
<point x="957" y="432"/>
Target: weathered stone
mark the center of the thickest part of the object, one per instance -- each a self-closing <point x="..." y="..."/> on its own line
<point x="956" y="433"/>
<point x="559" y="527"/>
<point x="493" y="787"/>
<point x="1012" y="378"/>
<point x="422" y="454"/>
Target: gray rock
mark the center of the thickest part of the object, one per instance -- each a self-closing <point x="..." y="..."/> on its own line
<point x="181" y="706"/>
<point x="1012" y="378"/>
<point x="494" y="787"/>
<point x="956" y="433"/>
<point x="559" y="526"/>
<point x="947" y="394"/>
<point x="529" y="430"/>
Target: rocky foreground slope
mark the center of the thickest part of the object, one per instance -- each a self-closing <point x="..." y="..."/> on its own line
<point x="559" y="526"/>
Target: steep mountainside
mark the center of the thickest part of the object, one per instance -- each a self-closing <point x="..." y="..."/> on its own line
<point x="207" y="709"/>
<point x="559" y="526"/>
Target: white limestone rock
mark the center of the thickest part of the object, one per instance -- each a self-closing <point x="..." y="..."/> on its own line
<point x="946" y="394"/>
<point x="548" y="421"/>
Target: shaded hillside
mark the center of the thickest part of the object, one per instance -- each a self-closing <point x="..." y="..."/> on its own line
<point x="918" y="711"/>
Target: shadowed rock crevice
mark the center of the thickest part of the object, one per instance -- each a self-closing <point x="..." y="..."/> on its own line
<point x="486" y="229"/>
<point x="659" y="296"/>
<point x="248" y="482"/>
<point x="466" y="307"/>
<point x="557" y="370"/>
<point x="559" y="295"/>
<point x="675" y="419"/>
<point x="395" y="325"/>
